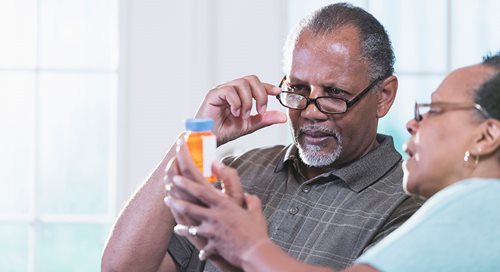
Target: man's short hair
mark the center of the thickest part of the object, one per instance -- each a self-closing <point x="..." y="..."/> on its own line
<point x="376" y="47"/>
<point x="488" y="94"/>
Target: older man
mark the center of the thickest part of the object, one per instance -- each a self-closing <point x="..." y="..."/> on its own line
<point x="328" y="196"/>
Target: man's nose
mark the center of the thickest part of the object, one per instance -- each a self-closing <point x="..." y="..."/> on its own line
<point x="312" y="111"/>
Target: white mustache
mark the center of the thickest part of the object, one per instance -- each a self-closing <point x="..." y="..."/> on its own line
<point x="316" y="128"/>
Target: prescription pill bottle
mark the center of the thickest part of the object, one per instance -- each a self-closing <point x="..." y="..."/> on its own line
<point x="202" y="144"/>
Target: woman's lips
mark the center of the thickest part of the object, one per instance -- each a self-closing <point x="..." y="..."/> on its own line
<point x="407" y="148"/>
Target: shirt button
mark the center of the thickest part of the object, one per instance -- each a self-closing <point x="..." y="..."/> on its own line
<point x="306" y="189"/>
<point x="293" y="211"/>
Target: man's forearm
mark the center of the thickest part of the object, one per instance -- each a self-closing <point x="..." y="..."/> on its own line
<point x="140" y="236"/>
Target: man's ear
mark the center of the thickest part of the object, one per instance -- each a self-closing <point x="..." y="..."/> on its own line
<point x="386" y="95"/>
<point x="487" y="140"/>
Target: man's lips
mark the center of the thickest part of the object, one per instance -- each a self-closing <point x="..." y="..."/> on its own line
<point x="314" y="136"/>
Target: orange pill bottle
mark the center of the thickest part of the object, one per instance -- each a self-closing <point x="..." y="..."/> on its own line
<point x="202" y="144"/>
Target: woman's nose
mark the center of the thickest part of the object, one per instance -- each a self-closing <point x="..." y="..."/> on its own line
<point x="412" y="126"/>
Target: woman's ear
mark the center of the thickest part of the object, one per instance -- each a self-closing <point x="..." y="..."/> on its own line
<point x="487" y="140"/>
<point x="386" y="95"/>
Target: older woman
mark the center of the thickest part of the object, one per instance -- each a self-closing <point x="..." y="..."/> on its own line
<point x="454" y="160"/>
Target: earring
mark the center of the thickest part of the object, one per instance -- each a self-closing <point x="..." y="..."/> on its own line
<point x="467" y="156"/>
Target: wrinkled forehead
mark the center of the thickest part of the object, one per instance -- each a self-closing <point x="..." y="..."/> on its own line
<point x="461" y="84"/>
<point x="343" y="41"/>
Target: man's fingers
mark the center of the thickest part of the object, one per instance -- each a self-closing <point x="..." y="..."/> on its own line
<point x="244" y="90"/>
<point x="259" y="93"/>
<point x="271" y="89"/>
<point x="259" y="121"/>
<point x="227" y="95"/>
<point x="240" y="93"/>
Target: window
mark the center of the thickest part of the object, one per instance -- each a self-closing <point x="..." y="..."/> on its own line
<point x="58" y="85"/>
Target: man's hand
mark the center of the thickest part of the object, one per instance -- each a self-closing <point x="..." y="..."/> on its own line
<point x="230" y="106"/>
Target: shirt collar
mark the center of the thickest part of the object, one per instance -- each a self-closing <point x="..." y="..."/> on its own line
<point x="360" y="173"/>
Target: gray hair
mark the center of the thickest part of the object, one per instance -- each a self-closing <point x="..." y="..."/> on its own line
<point x="376" y="47"/>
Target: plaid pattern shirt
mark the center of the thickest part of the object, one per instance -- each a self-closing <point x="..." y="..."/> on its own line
<point x="327" y="220"/>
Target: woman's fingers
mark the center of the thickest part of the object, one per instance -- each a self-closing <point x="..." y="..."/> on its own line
<point x="253" y="203"/>
<point x="192" y="232"/>
<point x="206" y="195"/>
<point x="171" y="170"/>
<point x="208" y="251"/>
<point x="188" y="209"/>
<point x="186" y="165"/>
<point x="230" y="180"/>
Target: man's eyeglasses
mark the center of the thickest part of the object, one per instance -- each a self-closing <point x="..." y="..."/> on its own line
<point x="326" y="104"/>
<point x="440" y="107"/>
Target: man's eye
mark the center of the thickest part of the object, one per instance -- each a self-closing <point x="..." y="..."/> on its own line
<point x="334" y="91"/>
<point x="298" y="88"/>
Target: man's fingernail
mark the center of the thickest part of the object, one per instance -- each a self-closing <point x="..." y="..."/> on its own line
<point x="237" y="112"/>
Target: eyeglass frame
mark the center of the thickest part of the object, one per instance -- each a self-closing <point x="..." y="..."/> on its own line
<point x="454" y="106"/>
<point x="348" y="103"/>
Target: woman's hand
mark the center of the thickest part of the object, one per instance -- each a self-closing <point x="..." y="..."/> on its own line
<point x="183" y="167"/>
<point x="230" y="230"/>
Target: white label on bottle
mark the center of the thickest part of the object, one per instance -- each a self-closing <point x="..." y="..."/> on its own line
<point x="209" y="154"/>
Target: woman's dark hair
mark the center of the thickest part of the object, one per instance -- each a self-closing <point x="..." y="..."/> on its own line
<point x="488" y="94"/>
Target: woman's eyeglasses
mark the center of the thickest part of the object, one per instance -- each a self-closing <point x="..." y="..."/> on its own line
<point x="439" y="107"/>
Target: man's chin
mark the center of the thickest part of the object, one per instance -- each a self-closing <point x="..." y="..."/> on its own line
<point x="314" y="156"/>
